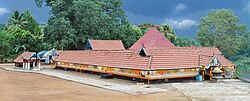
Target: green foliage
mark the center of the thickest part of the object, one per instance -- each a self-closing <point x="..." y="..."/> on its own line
<point x="245" y="38"/>
<point x="220" y="29"/>
<point x="138" y="31"/>
<point x="2" y="26"/>
<point x="60" y="33"/>
<point x="243" y="67"/>
<point x="20" y="33"/>
<point x="75" y="21"/>
<point x="185" y="42"/>
<point x="23" y="21"/>
<point x="25" y="31"/>
<point x="168" y="32"/>
<point x="146" y="26"/>
<point x="31" y="25"/>
<point x="5" y="45"/>
<point x="16" y="21"/>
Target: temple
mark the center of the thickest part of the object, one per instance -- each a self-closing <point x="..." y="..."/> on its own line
<point x="152" y="57"/>
<point x="28" y="60"/>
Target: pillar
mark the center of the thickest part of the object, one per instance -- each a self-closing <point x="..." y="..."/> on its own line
<point x="39" y="64"/>
<point x="28" y="66"/>
<point x="34" y="64"/>
<point x="210" y="73"/>
<point x="23" y="64"/>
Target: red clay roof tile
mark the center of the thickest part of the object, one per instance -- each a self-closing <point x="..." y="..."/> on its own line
<point x="152" y="38"/>
<point x="161" y="58"/>
<point x="106" y="45"/>
<point x="24" y="55"/>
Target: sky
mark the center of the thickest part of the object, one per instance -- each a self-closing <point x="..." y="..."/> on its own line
<point x="182" y="15"/>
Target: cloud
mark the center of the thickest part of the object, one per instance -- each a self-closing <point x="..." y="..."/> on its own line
<point x="182" y="24"/>
<point x="3" y="11"/>
<point x="180" y="7"/>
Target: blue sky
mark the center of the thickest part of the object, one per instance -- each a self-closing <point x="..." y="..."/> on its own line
<point x="181" y="15"/>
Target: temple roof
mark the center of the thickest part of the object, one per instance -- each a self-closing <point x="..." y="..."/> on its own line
<point x="183" y="57"/>
<point x="156" y="58"/>
<point x="106" y="45"/>
<point x="25" y="55"/>
<point x="152" y="38"/>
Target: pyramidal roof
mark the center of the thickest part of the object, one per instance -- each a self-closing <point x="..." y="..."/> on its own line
<point x="152" y="38"/>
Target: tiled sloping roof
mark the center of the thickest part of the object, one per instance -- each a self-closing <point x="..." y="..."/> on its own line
<point x="152" y="38"/>
<point x="106" y="45"/>
<point x="171" y="58"/>
<point x="24" y="55"/>
<point x="224" y="61"/>
<point x="122" y="59"/>
<point x="205" y="59"/>
<point x="162" y="58"/>
<point x="199" y="50"/>
<point x="59" y="52"/>
<point x="183" y="57"/>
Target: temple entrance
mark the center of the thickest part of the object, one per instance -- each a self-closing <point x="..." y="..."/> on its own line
<point x="208" y="73"/>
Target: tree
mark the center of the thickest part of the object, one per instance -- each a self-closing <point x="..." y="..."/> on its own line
<point x="185" y="42"/>
<point x="26" y="32"/>
<point x="1" y="26"/>
<point x="20" y="40"/>
<point x="31" y="24"/>
<point x="16" y="21"/>
<point x="245" y="38"/>
<point x="220" y="29"/>
<point x="75" y="21"/>
<point x="5" y="45"/>
<point x="168" y="33"/>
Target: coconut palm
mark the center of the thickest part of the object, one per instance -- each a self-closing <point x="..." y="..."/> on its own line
<point x="19" y="48"/>
<point x="16" y="21"/>
<point x="168" y="32"/>
<point x="37" y="34"/>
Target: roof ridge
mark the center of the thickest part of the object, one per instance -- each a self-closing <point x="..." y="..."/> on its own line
<point x="150" y="62"/>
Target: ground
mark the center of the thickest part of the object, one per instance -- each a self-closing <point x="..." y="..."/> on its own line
<point x="19" y="86"/>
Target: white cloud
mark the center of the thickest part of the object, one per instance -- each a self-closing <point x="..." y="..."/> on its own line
<point x="180" y="7"/>
<point x="182" y="24"/>
<point x="3" y="11"/>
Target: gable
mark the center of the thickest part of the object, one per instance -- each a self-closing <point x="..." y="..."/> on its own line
<point x="214" y="62"/>
<point x="143" y="52"/>
<point x="33" y="56"/>
<point x="26" y="55"/>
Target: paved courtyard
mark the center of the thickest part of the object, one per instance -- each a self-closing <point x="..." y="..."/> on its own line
<point x="229" y="90"/>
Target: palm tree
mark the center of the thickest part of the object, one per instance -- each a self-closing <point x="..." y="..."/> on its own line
<point x="38" y="34"/>
<point x="16" y="21"/>
<point x="168" y="32"/>
<point x="19" y="48"/>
